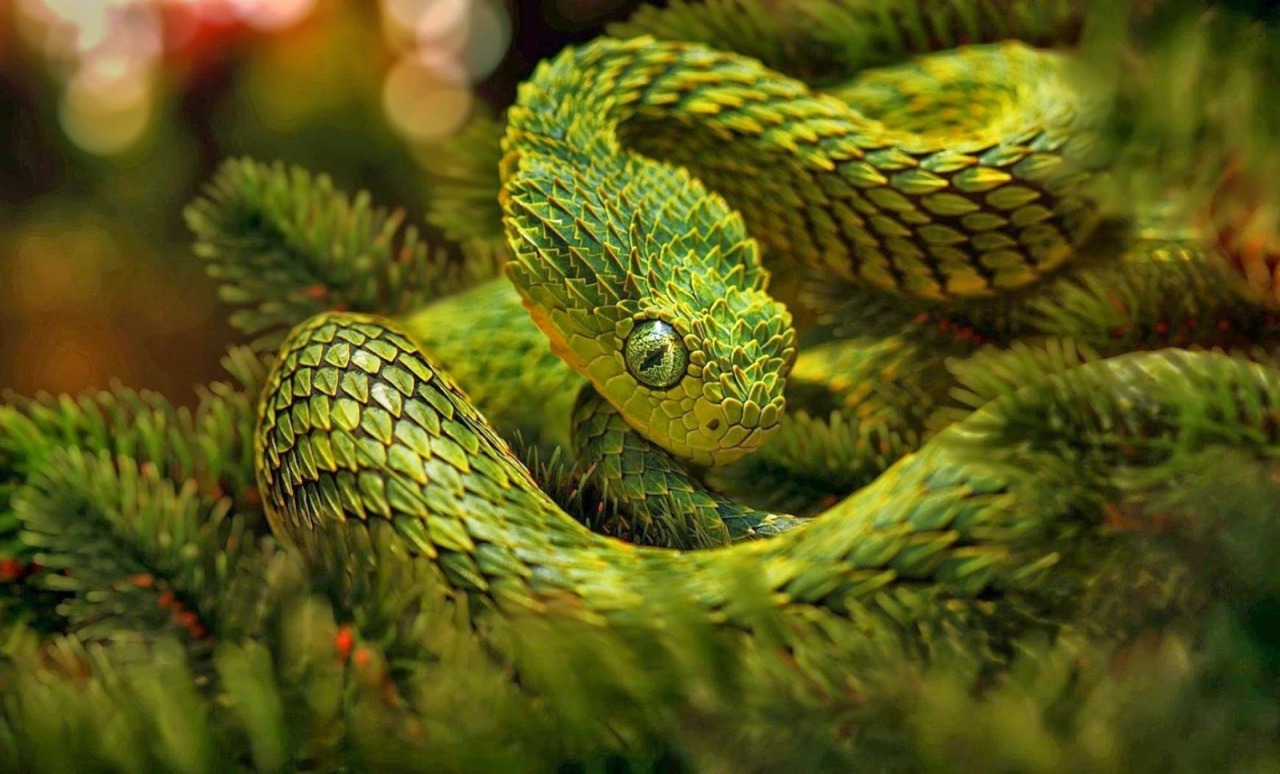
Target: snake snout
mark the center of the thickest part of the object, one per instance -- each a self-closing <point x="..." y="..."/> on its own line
<point x="732" y="428"/>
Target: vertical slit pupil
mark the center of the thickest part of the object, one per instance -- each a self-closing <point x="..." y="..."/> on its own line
<point x="655" y="356"/>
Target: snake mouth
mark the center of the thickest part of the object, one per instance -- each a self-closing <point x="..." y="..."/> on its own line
<point x="751" y="441"/>
<point x="735" y="429"/>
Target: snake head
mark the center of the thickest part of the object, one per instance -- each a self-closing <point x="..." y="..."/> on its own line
<point x="655" y="293"/>
<point x="703" y="378"/>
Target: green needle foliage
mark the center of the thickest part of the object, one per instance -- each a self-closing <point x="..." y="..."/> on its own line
<point x="285" y="245"/>
<point x="149" y="621"/>
<point x="464" y="202"/>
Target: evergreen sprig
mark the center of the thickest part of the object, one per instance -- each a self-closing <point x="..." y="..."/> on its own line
<point x="135" y="553"/>
<point x="211" y="444"/>
<point x="814" y="459"/>
<point x="465" y="184"/>
<point x="285" y="244"/>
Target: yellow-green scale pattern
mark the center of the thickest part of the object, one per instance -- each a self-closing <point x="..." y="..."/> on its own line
<point x="484" y="339"/>
<point x="989" y="199"/>
<point x="360" y="429"/>
<point x="605" y="239"/>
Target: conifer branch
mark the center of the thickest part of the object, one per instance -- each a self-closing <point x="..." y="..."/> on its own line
<point x="211" y="444"/>
<point x="285" y="245"/>
<point x="134" y="553"/>
<point x="814" y="459"/>
<point x="465" y="184"/>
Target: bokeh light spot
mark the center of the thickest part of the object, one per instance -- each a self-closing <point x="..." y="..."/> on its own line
<point x="423" y="103"/>
<point x="440" y="22"/>
<point x="488" y="36"/>
<point x="63" y="357"/>
<point x="106" y="111"/>
<point x="273" y="15"/>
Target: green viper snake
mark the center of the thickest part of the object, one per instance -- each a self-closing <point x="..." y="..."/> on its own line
<point x="643" y="185"/>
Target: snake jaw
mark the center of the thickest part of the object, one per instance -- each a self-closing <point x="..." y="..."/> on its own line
<point x="588" y="279"/>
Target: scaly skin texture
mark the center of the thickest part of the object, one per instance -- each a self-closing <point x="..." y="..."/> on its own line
<point x="603" y="240"/>
<point x="359" y="429"/>
<point x="358" y="421"/>
<point x="969" y="208"/>
<point x="606" y="241"/>
<point x="484" y="338"/>
<point x="359" y="425"/>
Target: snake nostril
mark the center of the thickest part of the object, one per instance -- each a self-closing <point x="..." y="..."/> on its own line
<point x="714" y="424"/>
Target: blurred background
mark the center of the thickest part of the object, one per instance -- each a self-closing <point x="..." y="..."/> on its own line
<point x="118" y="111"/>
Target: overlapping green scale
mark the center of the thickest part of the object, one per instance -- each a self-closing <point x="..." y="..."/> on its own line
<point x="991" y="527"/>
<point x="941" y="527"/>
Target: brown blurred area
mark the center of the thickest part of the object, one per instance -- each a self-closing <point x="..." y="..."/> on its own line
<point x="118" y="111"/>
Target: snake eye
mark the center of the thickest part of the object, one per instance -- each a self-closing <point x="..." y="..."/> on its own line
<point x="655" y="354"/>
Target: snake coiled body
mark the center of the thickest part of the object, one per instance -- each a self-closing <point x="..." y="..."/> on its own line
<point x="361" y="429"/>
<point x="928" y="200"/>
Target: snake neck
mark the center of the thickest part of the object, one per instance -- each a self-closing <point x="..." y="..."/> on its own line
<point x="990" y="197"/>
